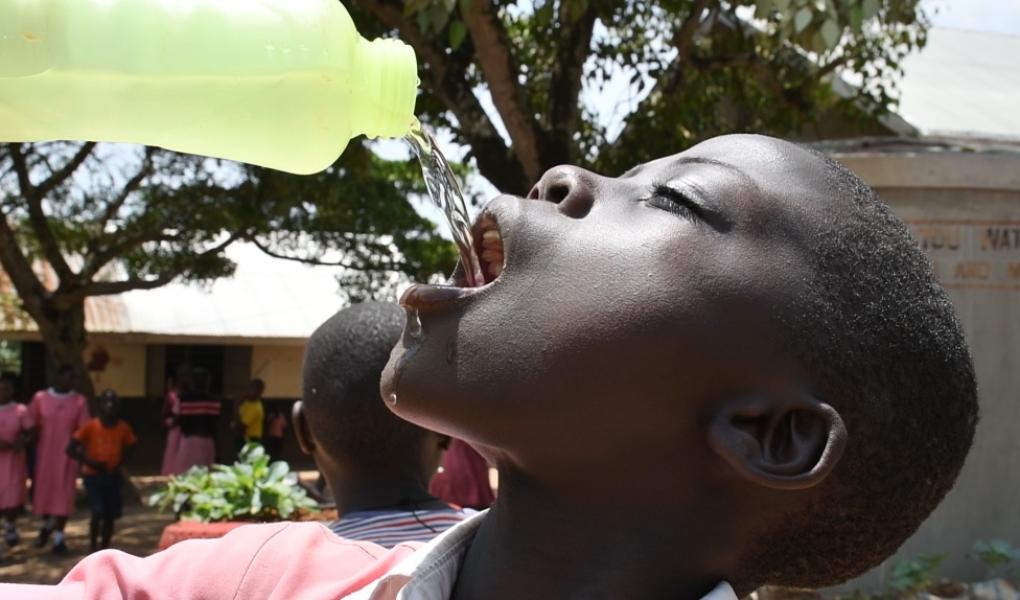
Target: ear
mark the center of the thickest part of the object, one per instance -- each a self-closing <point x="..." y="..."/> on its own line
<point x="785" y="442"/>
<point x="304" y="435"/>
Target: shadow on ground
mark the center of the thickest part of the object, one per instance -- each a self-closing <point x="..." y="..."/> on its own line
<point x="137" y="533"/>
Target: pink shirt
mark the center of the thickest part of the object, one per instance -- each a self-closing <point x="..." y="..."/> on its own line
<point x="251" y="562"/>
<point x="276" y="561"/>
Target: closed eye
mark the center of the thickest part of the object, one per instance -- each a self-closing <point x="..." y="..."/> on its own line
<point x="675" y="201"/>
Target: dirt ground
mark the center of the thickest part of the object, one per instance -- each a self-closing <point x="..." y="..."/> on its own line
<point x="137" y="533"/>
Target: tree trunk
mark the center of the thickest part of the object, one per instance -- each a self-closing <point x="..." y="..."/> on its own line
<point x="63" y="334"/>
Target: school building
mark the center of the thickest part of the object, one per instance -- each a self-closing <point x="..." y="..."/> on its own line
<point x="253" y="324"/>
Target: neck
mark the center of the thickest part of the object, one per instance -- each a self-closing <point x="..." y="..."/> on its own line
<point x="590" y="547"/>
<point x="61" y="390"/>
<point x="374" y="490"/>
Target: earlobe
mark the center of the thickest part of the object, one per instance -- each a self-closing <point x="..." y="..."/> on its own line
<point x="301" y="431"/>
<point x="781" y="442"/>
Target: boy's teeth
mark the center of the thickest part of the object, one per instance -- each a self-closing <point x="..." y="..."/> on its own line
<point x="495" y="268"/>
<point x="491" y="234"/>
<point x="492" y="255"/>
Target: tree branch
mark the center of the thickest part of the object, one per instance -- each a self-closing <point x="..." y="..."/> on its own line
<point x="30" y="290"/>
<point x="25" y="187"/>
<point x="565" y="83"/>
<point x="447" y="83"/>
<point x="672" y="76"/>
<point x="107" y="288"/>
<point x="102" y="257"/>
<point x="314" y="261"/>
<point x="130" y="186"/>
<point x="33" y="196"/>
<point x="110" y="288"/>
<point x="494" y="55"/>
<point x="61" y="174"/>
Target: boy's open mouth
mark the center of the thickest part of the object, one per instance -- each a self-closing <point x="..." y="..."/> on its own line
<point x="490" y="250"/>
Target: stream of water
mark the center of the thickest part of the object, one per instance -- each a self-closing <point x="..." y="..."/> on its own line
<point x="445" y="191"/>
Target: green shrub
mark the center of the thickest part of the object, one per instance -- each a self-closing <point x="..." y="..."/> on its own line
<point x="251" y="489"/>
<point x="912" y="576"/>
<point x="998" y="556"/>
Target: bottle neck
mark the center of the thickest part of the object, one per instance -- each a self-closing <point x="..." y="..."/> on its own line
<point x="385" y="87"/>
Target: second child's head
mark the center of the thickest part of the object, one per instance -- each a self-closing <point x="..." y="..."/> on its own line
<point x="739" y="344"/>
<point x="256" y="387"/>
<point x="341" y="420"/>
<point x="109" y="406"/>
<point x="65" y="378"/>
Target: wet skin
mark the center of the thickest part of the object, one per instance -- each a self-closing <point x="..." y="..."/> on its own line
<point x="630" y="311"/>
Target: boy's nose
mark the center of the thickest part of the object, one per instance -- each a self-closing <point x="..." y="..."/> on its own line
<point x="572" y="189"/>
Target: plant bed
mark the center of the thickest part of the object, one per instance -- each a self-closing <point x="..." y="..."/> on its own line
<point x="210" y="502"/>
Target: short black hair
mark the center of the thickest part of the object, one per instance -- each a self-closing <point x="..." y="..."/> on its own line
<point x="344" y="360"/>
<point x="883" y="346"/>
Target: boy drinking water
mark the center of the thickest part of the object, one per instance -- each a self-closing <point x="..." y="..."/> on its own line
<point x="727" y="368"/>
<point x="101" y="446"/>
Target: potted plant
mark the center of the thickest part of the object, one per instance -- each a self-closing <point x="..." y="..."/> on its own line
<point x="209" y="502"/>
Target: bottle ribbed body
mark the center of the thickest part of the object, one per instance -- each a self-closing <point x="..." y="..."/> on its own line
<point x="279" y="83"/>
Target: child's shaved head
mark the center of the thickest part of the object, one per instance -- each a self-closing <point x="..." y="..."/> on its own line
<point x="882" y="343"/>
<point x="735" y="360"/>
<point x="343" y="360"/>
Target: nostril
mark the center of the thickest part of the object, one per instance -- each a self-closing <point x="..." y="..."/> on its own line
<point x="557" y="192"/>
<point x="570" y="188"/>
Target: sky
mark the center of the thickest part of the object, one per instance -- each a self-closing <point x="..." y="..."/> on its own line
<point x="999" y="16"/>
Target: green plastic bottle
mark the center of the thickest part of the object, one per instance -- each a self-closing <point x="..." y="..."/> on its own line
<point x="279" y="83"/>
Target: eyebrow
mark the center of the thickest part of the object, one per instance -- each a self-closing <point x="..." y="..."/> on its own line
<point x="699" y="160"/>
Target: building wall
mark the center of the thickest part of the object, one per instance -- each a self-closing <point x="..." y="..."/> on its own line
<point x="973" y="238"/>
<point x="125" y="367"/>
<point x="280" y="368"/>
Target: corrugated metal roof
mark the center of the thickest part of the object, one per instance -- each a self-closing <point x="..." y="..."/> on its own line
<point x="267" y="298"/>
<point x="963" y="84"/>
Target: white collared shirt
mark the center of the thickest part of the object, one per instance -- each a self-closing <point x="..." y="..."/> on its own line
<point x="430" y="573"/>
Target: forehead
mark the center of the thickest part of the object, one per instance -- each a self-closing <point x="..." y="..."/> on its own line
<point x="766" y="160"/>
<point x="762" y="178"/>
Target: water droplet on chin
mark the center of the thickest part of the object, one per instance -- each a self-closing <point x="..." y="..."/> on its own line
<point x="391" y="399"/>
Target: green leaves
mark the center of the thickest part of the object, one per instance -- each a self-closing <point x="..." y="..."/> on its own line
<point x="802" y="19"/>
<point x="457" y="34"/>
<point x="911" y="576"/>
<point x="999" y="557"/>
<point x="250" y="489"/>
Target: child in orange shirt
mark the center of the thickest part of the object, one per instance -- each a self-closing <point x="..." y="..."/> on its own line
<point x="102" y="445"/>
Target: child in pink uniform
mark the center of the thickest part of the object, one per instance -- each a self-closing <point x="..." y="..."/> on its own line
<point x="464" y="480"/>
<point x="171" y="414"/>
<point x="57" y="413"/>
<point x="15" y="424"/>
